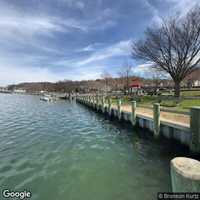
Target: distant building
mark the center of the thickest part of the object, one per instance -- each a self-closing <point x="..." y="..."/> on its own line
<point x="4" y="90"/>
<point x="19" y="91"/>
<point x="136" y="87"/>
<point x="193" y="79"/>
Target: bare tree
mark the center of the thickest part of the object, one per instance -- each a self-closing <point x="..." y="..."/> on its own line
<point x="125" y="75"/>
<point x="173" y="47"/>
<point x="107" y="80"/>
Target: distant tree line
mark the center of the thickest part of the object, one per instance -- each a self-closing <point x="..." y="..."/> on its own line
<point x="103" y="85"/>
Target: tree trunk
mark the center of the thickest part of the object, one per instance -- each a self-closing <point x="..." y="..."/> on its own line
<point x="177" y="89"/>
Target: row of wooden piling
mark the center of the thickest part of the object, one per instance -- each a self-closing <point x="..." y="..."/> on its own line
<point x="105" y="105"/>
<point x="99" y="102"/>
<point x="184" y="171"/>
<point x="185" y="176"/>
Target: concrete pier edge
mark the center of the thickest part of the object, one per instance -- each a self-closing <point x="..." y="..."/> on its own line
<point x="185" y="172"/>
<point x="188" y="136"/>
<point x="185" y="175"/>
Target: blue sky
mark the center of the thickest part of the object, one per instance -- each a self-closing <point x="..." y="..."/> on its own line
<point x="51" y="40"/>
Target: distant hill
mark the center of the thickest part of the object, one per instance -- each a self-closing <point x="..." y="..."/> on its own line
<point x="84" y="86"/>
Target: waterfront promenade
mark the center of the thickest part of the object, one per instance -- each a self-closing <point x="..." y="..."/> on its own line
<point x="182" y="119"/>
<point x="171" y="127"/>
<point x="178" y="125"/>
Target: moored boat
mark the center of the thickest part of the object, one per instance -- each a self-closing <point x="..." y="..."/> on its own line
<point x="46" y="97"/>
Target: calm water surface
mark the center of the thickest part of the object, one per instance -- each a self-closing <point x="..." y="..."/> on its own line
<point x="62" y="151"/>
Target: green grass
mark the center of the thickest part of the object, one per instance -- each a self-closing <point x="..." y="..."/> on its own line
<point x="168" y="103"/>
<point x="190" y="93"/>
<point x="187" y="104"/>
<point x="182" y="105"/>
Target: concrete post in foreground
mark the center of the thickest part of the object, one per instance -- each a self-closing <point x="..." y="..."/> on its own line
<point x="156" y="119"/>
<point x="119" y="103"/>
<point x="185" y="175"/>
<point x="195" y="129"/>
<point x="133" y="113"/>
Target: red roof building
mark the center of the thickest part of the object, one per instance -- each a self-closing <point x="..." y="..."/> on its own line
<point x="136" y="84"/>
<point x="135" y="87"/>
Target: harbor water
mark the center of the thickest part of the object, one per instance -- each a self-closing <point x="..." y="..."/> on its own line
<point x="62" y="150"/>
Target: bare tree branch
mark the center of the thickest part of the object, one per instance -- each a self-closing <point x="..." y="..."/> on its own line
<point x="174" y="47"/>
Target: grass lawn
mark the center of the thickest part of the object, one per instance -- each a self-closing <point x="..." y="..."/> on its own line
<point x="183" y="105"/>
<point x="188" y="93"/>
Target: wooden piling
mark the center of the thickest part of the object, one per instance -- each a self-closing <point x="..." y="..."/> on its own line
<point x="102" y="103"/>
<point x="156" y="119"/>
<point x="109" y="105"/>
<point x="195" y="129"/>
<point x="119" y="103"/>
<point x="133" y="113"/>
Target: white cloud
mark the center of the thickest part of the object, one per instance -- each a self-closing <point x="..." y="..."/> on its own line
<point x="14" y="73"/>
<point x="181" y="7"/>
<point x="74" y="4"/>
<point x="22" y="69"/>
<point x="11" y="75"/>
<point x="91" y="47"/>
<point x="30" y="26"/>
<point x="80" y="5"/>
<point x="88" y="48"/>
<point x="156" y="17"/>
<point x="143" y="70"/>
<point x="72" y="23"/>
<point x="16" y="25"/>
<point x="93" y="72"/>
<point x="29" y="32"/>
<point x="147" y="70"/>
<point x="119" y="49"/>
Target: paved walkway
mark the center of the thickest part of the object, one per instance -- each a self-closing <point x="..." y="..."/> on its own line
<point x="180" y="119"/>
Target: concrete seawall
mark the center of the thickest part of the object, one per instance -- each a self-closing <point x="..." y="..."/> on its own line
<point x="185" y="172"/>
<point x="167" y="129"/>
<point x="180" y="133"/>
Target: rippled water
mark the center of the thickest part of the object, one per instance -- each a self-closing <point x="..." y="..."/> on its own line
<point x="63" y="150"/>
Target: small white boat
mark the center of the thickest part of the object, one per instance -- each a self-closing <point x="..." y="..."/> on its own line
<point x="46" y="97"/>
